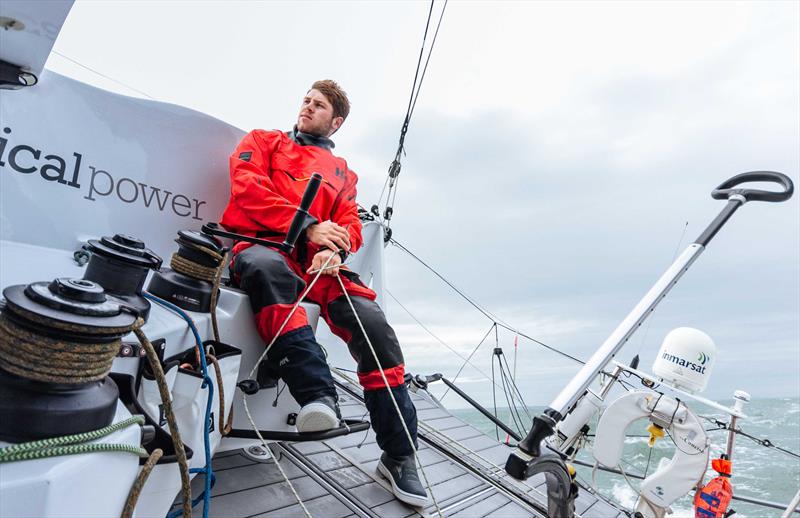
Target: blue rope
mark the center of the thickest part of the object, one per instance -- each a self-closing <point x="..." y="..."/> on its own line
<point x="207" y="472"/>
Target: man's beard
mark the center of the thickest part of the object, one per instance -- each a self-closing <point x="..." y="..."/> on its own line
<point x="321" y="130"/>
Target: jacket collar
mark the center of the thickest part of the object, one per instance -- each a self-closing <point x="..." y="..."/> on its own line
<point x="306" y="139"/>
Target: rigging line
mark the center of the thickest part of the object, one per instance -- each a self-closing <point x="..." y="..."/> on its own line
<point x="427" y="60"/>
<point x="512" y="404"/>
<point x="650" y="319"/>
<point x="516" y="405"/>
<point x="463" y="295"/>
<point x="513" y="385"/>
<point x="411" y="98"/>
<point x="483" y="311"/>
<point x="416" y="88"/>
<point x="762" y="442"/>
<point x="57" y="53"/>
<point x="494" y="404"/>
<point x="468" y="359"/>
<point x="407" y="119"/>
<point x="452" y="350"/>
<point x="510" y="399"/>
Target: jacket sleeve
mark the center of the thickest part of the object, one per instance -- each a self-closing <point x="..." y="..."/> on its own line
<point x="345" y="211"/>
<point x="252" y="189"/>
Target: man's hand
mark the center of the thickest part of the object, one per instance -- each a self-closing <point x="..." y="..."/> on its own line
<point x="330" y="235"/>
<point x="319" y="259"/>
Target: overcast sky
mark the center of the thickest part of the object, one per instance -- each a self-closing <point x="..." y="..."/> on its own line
<point x="560" y="154"/>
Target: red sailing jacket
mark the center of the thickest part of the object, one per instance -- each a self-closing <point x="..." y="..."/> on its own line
<point x="269" y="172"/>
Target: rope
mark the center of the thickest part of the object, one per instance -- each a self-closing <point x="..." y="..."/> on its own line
<point x="37" y="357"/>
<point x="53" y="360"/>
<point x="72" y="444"/>
<point x="163" y="390"/>
<point x="71" y="439"/>
<point x="391" y="394"/>
<point x="73" y="449"/>
<point x="253" y="370"/>
<point x="224" y="426"/>
<point x="447" y="441"/>
<point x="138" y="484"/>
<point x="212" y="274"/>
<point x="207" y="470"/>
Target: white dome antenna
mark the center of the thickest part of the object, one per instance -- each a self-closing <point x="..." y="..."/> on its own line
<point x="686" y="359"/>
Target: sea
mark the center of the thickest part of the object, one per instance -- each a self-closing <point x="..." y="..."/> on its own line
<point x="759" y="472"/>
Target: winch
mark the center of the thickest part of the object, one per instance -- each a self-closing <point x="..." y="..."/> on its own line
<point x="120" y="265"/>
<point x="57" y="343"/>
<point x="190" y="283"/>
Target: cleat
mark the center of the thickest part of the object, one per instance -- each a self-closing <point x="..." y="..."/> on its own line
<point x="319" y="415"/>
<point x="402" y="475"/>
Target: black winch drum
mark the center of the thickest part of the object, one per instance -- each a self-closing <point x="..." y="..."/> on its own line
<point x="75" y="312"/>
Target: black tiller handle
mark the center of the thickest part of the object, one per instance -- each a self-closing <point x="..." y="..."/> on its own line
<point x="726" y="188"/>
<point x="302" y="211"/>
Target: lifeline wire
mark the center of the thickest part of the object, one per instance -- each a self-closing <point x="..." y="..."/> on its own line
<point x="470" y="357"/>
<point x="391" y="395"/>
<point x="721" y="425"/>
<point x="483" y="311"/>
<point x="467" y="361"/>
<point x="452" y="350"/>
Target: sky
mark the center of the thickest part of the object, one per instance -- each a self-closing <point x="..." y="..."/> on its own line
<point x="560" y="155"/>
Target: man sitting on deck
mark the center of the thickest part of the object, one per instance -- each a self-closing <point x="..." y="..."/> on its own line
<point x="269" y="172"/>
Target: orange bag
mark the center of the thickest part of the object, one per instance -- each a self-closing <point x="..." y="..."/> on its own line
<point x="713" y="499"/>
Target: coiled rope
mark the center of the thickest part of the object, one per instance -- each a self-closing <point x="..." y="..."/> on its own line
<point x="34" y="356"/>
<point x="212" y="274"/>
<point x="38" y="357"/>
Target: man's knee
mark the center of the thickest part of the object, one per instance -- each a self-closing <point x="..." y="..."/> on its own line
<point x="380" y="333"/>
<point x="266" y="277"/>
<point x="369" y="313"/>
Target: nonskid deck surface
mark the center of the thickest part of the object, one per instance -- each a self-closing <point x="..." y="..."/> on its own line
<point x="337" y="478"/>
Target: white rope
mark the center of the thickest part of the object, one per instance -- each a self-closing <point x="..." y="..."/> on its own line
<point x="283" y="473"/>
<point x="255" y="367"/>
<point x="294" y="308"/>
<point x="391" y="395"/>
<point x="452" y="442"/>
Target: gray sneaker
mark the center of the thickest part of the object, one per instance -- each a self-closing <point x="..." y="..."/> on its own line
<point x="402" y="475"/>
<point x="319" y="415"/>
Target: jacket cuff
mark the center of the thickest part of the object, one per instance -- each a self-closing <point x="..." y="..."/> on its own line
<point x="341" y="253"/>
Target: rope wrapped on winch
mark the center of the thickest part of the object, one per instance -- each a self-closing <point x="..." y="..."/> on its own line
<point x="66" y="331"/>
<point x="58" y="341"/>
